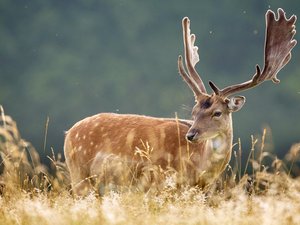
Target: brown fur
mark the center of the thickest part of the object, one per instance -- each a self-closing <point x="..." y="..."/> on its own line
<point x="122" y="135"/>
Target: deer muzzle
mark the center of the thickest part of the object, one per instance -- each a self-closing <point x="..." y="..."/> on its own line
<point x="191" y="136"/>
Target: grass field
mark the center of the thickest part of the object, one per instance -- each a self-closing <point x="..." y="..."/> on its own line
<point x="30" y="193"/>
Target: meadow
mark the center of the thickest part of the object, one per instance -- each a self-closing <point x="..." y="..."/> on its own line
<point x="31" y="193"/>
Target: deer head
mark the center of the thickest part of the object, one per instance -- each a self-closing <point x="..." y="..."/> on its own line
<point x="212" y="112"/>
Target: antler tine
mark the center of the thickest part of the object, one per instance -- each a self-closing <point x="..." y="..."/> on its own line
<point x="192" y="78"/>
<point x="187" y="78"/>
<point x="279" y="43"/>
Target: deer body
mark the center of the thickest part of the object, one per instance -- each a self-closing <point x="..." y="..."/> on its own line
<point x="89" y="141"/>
<point x="201" y="147"/>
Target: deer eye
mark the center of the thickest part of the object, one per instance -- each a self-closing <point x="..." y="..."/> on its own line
<point x="217" y="114"/>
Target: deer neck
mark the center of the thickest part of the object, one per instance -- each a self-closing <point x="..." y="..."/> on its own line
<point x="218" y="152"/>
<point x="222" y="144"/>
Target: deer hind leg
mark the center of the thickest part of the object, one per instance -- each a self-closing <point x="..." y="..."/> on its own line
<point x="110" y="172"/>
<point x="81" y="183"/>
<point x="79" y="174"/>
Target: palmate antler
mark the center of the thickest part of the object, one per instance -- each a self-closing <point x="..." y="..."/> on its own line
<point x="279" y="43"/>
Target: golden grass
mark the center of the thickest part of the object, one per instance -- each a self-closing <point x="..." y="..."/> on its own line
<point x="33" y="194"/>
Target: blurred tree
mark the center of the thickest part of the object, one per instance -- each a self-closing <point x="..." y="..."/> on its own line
<point x="70" y="60"/>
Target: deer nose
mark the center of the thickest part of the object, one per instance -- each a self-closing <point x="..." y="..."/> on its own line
<point x="191" y="136"/>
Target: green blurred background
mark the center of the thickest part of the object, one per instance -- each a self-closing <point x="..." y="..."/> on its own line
<point x="70" y="59"/>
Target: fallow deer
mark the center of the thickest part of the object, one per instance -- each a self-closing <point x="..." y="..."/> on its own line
<point x="205" y="141"/>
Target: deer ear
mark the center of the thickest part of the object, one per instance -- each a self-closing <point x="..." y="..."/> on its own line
<point x="236" y="103"/>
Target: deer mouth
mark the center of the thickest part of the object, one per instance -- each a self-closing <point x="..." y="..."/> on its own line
<point x="196" y="137"/>
<point x="192" y="136"/>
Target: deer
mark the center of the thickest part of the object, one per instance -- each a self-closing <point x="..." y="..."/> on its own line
<point x="201" y="146"/>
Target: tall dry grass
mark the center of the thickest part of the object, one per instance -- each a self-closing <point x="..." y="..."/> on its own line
<point x="21" y="167"/>
<point x="265" y="192"/>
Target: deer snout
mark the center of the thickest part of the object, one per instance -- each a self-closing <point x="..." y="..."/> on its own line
<point x="192" y="135"/>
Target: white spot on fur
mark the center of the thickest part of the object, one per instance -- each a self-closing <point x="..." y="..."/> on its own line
<point x="84" y="137"/>
<point x="130" y="138"/>
<point x="72" y="153"/>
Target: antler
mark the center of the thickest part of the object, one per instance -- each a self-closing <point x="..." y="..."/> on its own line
<point x="279" y="43"/>
<point x="192" y="78"/>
